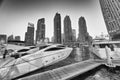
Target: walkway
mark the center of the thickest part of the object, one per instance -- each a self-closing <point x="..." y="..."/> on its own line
<point x="65" y="72"/>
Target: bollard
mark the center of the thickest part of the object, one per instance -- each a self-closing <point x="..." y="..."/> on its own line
<point x="109" y="60"/>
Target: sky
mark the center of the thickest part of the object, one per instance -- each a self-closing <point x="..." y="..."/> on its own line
<point x="15" y="15"/>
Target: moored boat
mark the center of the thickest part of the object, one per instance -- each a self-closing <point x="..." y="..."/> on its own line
<point x="47" y="55"/>
<point x="104" y="48"/>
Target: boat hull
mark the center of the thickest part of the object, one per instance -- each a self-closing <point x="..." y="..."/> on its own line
<point x="101" y="53"/>
<point x="32" y="62"/>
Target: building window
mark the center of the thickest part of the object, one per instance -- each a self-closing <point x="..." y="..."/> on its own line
<point x="110" y="27"/>
<point x="54" y="49"/>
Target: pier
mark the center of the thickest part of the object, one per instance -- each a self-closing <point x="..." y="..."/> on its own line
<point x="65" y="72"/>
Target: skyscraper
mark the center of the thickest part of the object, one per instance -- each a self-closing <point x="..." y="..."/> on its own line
<point x="40" y="32"/>
<point x="111" y="14"/>
<point x="29" y="35"/>
<point x="67" y="29"/>
<point x="82" y="30"/>
<point x="57" y="28"/>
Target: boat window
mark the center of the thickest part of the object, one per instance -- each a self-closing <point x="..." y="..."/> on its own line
<point x="22" y="50"/>
<point x="42" y="47"/>
<point x="60" y="46"/>
<point x="32" y="47"/>
<point x="103" y="45"/>
<point x="97" y="45"/>
<point x="54" y="49"/>
<point x="25" y="54"/>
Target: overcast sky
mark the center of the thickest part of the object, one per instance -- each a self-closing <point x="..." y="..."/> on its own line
<point x="15" y="15"/>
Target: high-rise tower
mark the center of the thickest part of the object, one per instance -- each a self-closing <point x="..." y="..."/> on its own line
<point x="67" y="29"/>
<point x="82" y="30"/>
<point x="111" y="14"/>
<point x="57" y="28"/>
<point x="29" y="35"/>
<point x="40" y="32"/>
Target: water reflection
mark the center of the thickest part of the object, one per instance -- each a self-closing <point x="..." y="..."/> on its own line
<point x="80" y="54"/>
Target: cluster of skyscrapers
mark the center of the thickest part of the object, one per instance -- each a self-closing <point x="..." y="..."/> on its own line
<point x="111" y="14"/>
<point x="11" y="37"/>
<point x="40" y="33"/>
<point x="68" y="36"/>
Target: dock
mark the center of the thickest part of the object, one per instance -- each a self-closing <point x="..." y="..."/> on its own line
<point x="65" y="72"/>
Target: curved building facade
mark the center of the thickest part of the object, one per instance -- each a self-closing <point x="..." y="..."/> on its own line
<point x="111" y="14"/>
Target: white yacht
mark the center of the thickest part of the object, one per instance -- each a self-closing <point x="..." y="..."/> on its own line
<point x="16" y="51"/>
<point x="104" y="48"/>
<point x="47" y="55"/>
<point x="24" y="51"/>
